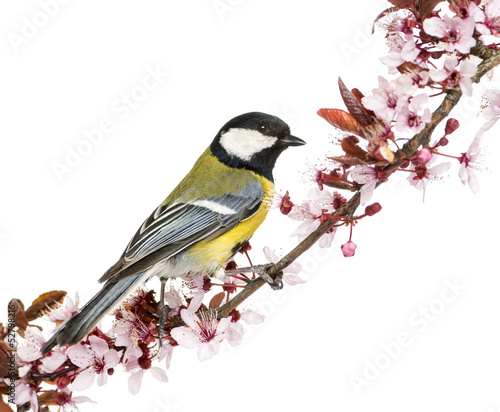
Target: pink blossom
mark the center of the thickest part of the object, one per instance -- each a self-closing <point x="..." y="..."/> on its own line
<point x="251" y="317"/>
<point x="368" y="177"/>
<point x="24" y="393"/>
<point x="451" y="74"/>
<point x="470" y="162"/>
<point x="68" y="401"/>
<point x="492" y="111"/>
<point x="234" y="334"/>
<point x="489" y="21"/>
<point x="205" y="333"/>
<point x="455" y="33"/>
<point x="410" y="51"/>
<point x="386" y="98"/>
<point x="196" y="283"/>
<point x="290" y="272"/>
<point x="65" y="310"/>
<point x="433" y="173"/>
<point x="349" y="248"/>
<point x="135" y="378"/>
<point x="412" y="117"/>
<point x="312" y="211"/>
<point x="96" y="359"/>
<point x="130" y="332"/>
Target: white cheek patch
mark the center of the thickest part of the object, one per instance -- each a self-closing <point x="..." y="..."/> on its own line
<point x="245" y="143"/>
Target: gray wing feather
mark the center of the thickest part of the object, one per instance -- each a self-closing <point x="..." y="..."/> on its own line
<point x="172" y="228"/>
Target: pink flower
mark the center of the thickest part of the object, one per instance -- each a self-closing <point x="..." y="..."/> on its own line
<point x="130" y="332"/>
<point x="433" y="173"/>
<point x="368" y="177"/>
<point x="205" y="333"/>
<point x="489" y="24"/>
<point x="470" y="162"/>
<point x="349" y="248"/>
<point x="196" y="283"/>
<point x="412" y="117"/>
<point x="455" y="33"/>
<point x="312" y="211"/>
<point x="96" y="359"/>
<point x="24" y="393"/>
<point x="68" y="401"/>
<point x="450" y="75"/>
<point x="492" y="111"/>
<point x="135" y="378"/>
<point x="386" y="98"/>
<point x="65" y="310"/>
<point x="290" y="272"/>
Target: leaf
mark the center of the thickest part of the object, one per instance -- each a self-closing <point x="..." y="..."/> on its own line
<point x="45" y="301"/>
<point x="5" y="361"/>
<point x="354" y="106"/>
<point x="17" y="315"/>
<point x="402" y="4"/>
<point x="216" y="301"/>
<point x="352" y="149"/>
<point x="424" y="7"/>
<point x="341" y="119"/>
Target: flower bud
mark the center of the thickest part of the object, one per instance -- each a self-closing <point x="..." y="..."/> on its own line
<point x="348" y="249"/>
<point x="451" y="126"/>
<point x="373" y="209"/>
<point x="424" y="155"/>
<point x="443" y="141"/>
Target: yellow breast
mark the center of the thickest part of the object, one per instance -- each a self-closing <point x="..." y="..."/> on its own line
<point x="216" y="252"/>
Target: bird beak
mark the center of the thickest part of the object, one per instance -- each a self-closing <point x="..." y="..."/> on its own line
<point x="292" y="141"/>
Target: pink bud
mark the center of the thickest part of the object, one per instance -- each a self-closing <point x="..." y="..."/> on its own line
<point x="424" y="155"/>
<point x="348" y="249"/>
<point x="451" y="126"/>
<point x="373" y="209"/>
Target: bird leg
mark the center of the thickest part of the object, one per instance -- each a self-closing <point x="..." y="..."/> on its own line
<point x="261" y="271"/>
<point x="162" y="310"/>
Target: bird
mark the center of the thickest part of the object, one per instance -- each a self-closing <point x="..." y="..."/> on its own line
<point x="210" y="215"/>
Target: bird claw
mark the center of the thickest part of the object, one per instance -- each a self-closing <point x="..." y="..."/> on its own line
<point x="275" y="283"/>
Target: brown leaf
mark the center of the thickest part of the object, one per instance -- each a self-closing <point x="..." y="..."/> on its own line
<point x="402" y="4"/>
<point x="45" y="301"/>
<point x="216" y="301"/>
<point x="352" y="149"/>
<point x="424" y="7"/>
<point x="5" y="360"/>
<point x="341" y="119"/>
<point x="354" y="106"/>
<point x="17" y="315"/>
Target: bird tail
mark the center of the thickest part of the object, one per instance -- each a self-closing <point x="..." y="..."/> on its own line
<point x="77" y="327"/>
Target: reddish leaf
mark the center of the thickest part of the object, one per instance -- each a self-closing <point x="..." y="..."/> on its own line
<point x="424" y="7"/>
<point x="348" y="160"/>
<point x="17" y="315"/>
<point x="216" y="301"/>
<point x="341" y="119"/>
<point x="45" y="301"/>
<point x="402" y="4"/>
<point x="352" y="149"/>
<point x="5" y="361"/>
<point x="354" y="106"/>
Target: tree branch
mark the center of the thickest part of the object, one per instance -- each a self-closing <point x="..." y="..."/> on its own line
<point x="491" y="59"/>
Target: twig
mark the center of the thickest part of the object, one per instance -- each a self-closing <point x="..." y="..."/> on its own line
<point x="491" y="59"/>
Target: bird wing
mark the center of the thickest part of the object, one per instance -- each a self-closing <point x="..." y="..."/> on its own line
<point x="173" y="227"/>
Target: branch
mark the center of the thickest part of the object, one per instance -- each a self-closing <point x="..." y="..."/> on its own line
<point x="491" y="59"/>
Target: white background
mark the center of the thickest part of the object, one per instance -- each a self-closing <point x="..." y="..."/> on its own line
<point x="280" y="57"/>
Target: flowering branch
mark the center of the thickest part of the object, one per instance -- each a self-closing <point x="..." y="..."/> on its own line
<point x="433" y="54"/>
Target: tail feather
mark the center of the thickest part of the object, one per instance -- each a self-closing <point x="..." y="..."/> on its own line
<point x="77" y="327"/>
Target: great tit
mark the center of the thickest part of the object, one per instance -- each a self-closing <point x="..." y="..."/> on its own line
<point x="208" y="217"/>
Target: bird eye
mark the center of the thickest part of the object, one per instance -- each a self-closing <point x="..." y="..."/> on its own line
<point x="262" y="128"/>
